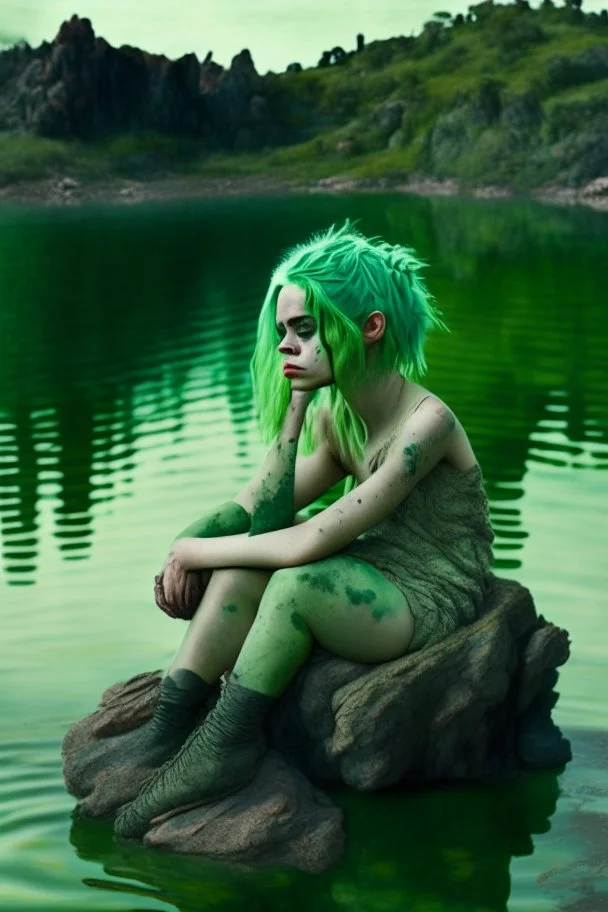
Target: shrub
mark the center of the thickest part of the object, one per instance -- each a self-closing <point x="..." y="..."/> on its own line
<point x="588" y="66"/>
<point x="512" y="33"/>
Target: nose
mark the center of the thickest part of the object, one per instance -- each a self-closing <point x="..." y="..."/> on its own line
<point x="286" y="346"/>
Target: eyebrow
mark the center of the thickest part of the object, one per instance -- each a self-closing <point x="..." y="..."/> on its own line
<point x="293" y="320"/>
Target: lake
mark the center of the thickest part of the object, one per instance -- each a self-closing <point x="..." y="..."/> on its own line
<point x="126" y="412"/>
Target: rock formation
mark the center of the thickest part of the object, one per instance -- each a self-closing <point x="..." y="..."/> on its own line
<point x="476" y="705"/>
<point x="79" y="86"/>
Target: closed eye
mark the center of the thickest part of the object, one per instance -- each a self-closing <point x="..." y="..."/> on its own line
<point x="303" y="333"/>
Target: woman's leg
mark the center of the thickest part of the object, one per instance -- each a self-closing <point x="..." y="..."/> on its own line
<point x="345" y="604"/>
<point x="212" y="643"/>
<point x="222" y="621"/>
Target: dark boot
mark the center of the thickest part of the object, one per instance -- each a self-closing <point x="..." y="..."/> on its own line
<point x="183" y="696"/>
<point x="219" y="758"/>
<point x="133" y="756"/>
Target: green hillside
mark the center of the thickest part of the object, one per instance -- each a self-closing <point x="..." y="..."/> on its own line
<point x="504" y="94"/>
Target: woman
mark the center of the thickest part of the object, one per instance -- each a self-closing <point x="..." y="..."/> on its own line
<point x="397" y="563"/>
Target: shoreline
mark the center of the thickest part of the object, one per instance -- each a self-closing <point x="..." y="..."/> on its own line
<point x="66" y="191"/>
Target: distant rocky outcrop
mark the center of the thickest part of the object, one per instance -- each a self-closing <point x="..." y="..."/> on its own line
<point x="79" y="86"/>
<point x="476" y="705"/>
<point x="494" y="129"/>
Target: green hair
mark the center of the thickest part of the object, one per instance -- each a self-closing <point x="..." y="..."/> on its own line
<point x="345" y="276"/>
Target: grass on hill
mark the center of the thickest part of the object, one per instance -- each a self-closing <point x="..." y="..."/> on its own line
<point x="432" y="73"/>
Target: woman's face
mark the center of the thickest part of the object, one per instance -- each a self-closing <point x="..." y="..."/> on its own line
<point x="300" y="343"/>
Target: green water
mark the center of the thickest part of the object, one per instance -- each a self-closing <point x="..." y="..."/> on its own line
<point x="125" y="412"/>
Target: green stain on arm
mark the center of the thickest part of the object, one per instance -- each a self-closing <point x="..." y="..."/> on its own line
<point x="273" y="500"/>
<point x="229" y="518"/>
<point x="412" y="458"/>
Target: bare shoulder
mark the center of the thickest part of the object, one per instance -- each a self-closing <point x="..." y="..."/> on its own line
<point x="431" y="411"/>
<point x="434" y="419"/>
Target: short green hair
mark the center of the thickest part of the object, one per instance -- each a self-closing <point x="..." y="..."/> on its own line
<point x="345" y="276"/>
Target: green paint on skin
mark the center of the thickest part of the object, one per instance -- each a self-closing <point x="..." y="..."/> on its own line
<point x="273" y="507"/>
<point x="298" y="622"/>
<point x="225" y="522"/>
<point x="412" y="457"/>
<point x="230" y="609"/>
<point x="378" y="613"/>
<point x="320" y="580"/>
<point x="357" y="596"/>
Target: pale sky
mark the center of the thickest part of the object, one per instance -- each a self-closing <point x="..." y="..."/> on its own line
<point x="276" y="32"/>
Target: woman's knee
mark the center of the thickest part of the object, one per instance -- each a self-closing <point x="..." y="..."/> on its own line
<point x="240" y="583"/>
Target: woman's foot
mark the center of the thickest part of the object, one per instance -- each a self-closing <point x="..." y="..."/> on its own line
<point x="133" y="756"/>
<point x="219" y="758"/>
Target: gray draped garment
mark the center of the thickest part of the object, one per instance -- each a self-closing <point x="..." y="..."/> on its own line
<point x="436" y="547"/>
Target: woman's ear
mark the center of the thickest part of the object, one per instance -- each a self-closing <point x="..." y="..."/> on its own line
<point x="373" y="328"/>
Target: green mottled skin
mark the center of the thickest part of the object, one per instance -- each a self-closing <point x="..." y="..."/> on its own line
<point x="412" y="458"/>
<point x="231" y="608"/>
<point x="339" y="602"/>
<point x="360" y="596"/>
<point x="274" y="506"/>
<point x="298" y="622"/>
<point x="379" y="613"/>
<point x="228" y="519"/>
<point x="319" y="580"/>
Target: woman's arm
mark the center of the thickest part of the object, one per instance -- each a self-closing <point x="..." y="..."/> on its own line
<point x="420" y="446"/>
<point x="229" y="518"/>
<point x="272" y="491"/>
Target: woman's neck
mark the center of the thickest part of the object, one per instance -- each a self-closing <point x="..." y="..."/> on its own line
<point x="380" y="401"/>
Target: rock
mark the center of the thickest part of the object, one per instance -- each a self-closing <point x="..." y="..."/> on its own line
<point x="457" y="701"/>
<point x="492" y="192"/>
<point x="597" y="188"/>
<point x="588" y="66"/>
<point x="79" y="86"/>
<point x="400" y="138"/>
<point x="346" y="147"/>
<point x="278" y="819"/>
<point x="336" y="183"/>
<point x="388" y="116"/>
<point x="477" y="704"/>
<point x="523" y="113"/>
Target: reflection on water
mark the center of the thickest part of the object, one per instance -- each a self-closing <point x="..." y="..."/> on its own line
<point x="125" y="412"/>
<point x="113" y="323"/>
<point x="452" y="847"/>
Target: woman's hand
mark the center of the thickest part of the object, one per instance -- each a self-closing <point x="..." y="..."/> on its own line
<point x="178" y="592"/>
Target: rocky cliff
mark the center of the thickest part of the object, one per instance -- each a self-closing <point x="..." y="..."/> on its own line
<point x="79" y="86"/>
<point x="506" y="96"/>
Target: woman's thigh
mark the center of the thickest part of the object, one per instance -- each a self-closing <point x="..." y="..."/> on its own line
<point x="349" y="607"/>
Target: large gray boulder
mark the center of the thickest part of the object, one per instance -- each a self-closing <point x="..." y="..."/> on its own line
<point x="476" y="705"/>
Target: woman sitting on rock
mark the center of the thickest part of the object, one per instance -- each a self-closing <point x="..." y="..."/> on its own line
<point x="397" y="563"/>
